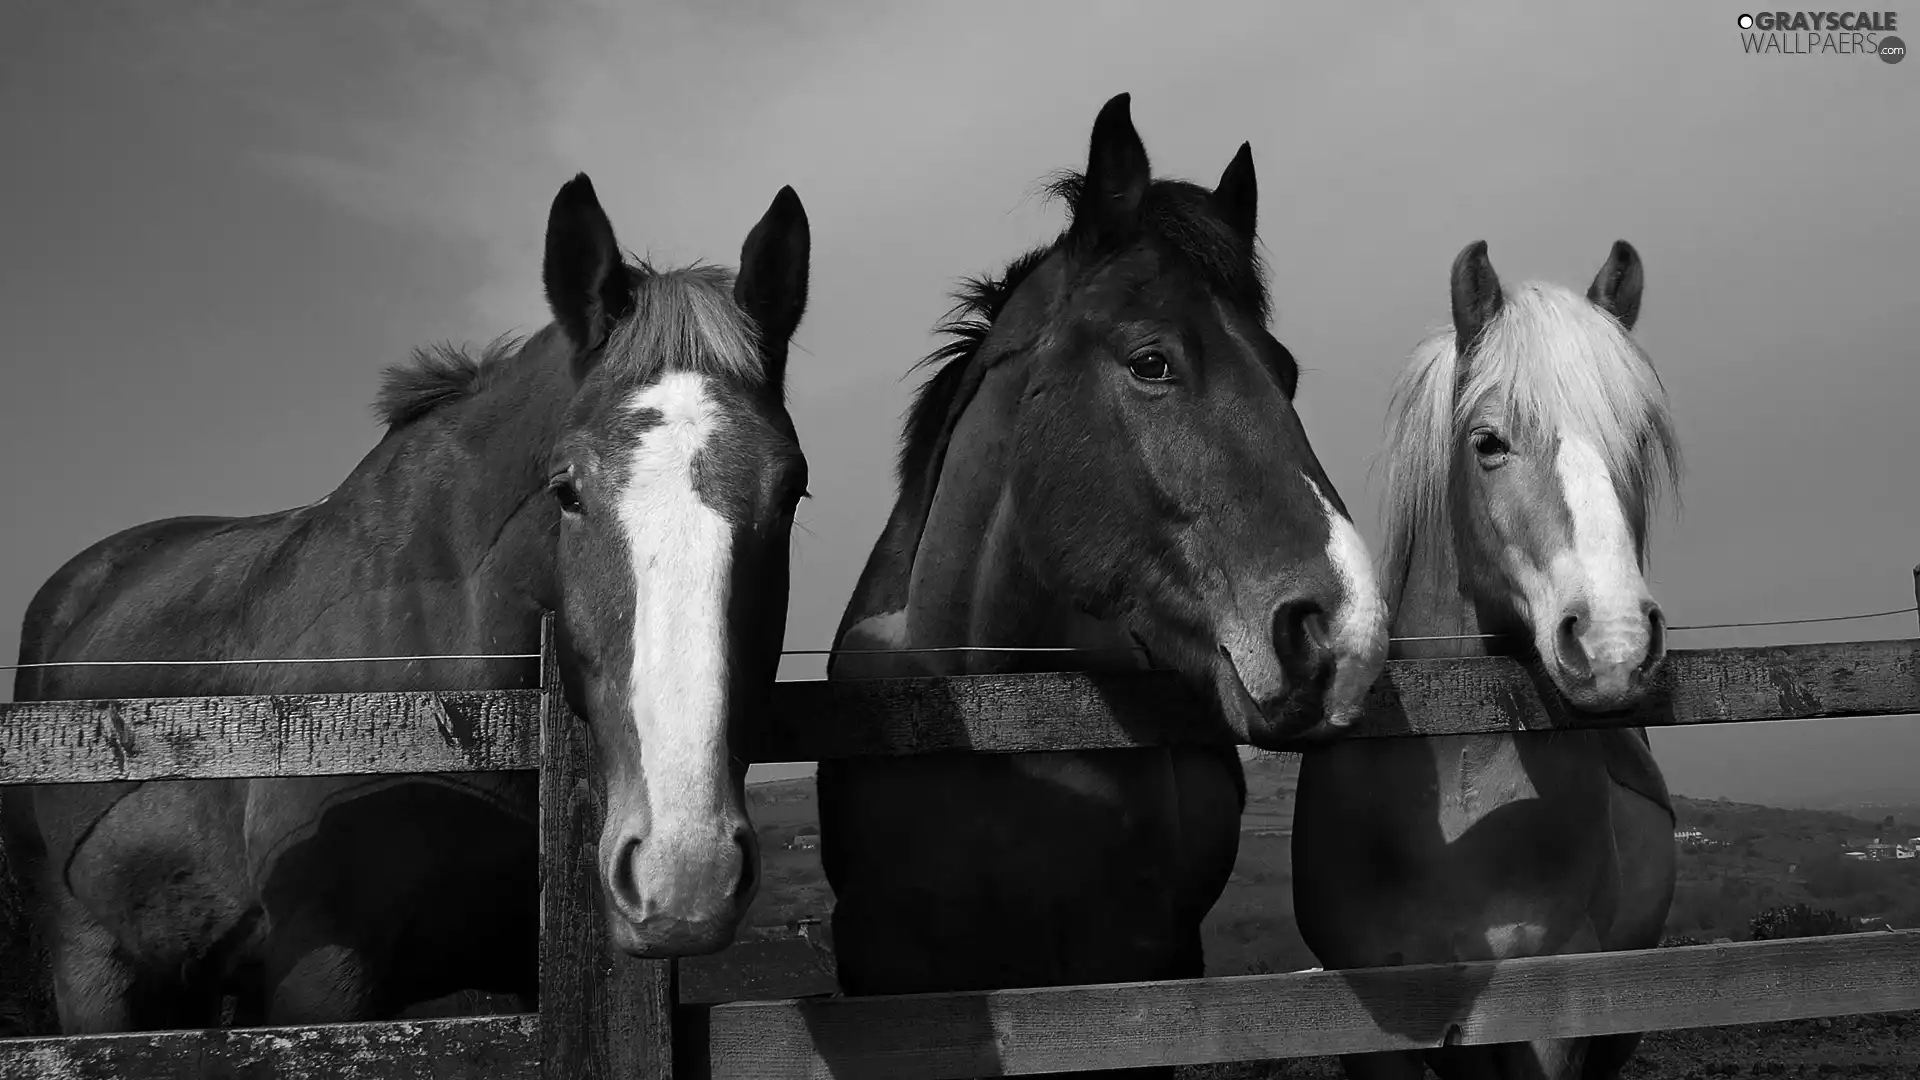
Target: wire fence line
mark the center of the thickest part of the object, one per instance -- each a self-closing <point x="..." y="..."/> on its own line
<point x="272" y="660"/>
<point x="1908" y="610"/>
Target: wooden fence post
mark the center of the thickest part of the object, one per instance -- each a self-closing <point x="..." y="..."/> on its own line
<point x="602" y="1016"/>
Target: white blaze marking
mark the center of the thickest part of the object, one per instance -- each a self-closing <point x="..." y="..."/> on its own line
<point x="681" y="553"/>
<point x="1359" y="625"/>
<point x="1603" y="564"/>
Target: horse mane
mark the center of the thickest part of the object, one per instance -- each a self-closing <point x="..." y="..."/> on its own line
<point x="436" y="375"/>
<point x="1558" y="363"/>
<point x="684" y="319"/>
<point x="1175" y="212"/>
<point x="977" y="302"/>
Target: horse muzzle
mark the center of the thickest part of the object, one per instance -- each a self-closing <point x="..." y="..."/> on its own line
<point x="1278" y="713"/>
<point x="1607" y="664"/>
<point x="678" y="893"/>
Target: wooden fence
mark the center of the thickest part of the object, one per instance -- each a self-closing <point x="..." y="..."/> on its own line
<point x="605" y="1016"/>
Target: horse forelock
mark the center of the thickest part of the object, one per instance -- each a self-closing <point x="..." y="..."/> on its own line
<point x="1179" y="214"/>
<point x="1556" y="364"/>
<point x="686" y="320"/>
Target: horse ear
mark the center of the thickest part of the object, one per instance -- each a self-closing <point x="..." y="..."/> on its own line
<point x="772" y="283"/>
<point x="1117" y="173"/>
<point x="586" y="283"/>
<point x="1476" y="294"/>
<point x="1237" y="197"/>
<point x="1616" y="288"/>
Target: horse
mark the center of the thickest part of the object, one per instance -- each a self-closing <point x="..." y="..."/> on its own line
<point x="630" y="466"/>
<point x="1527" y="447"/>
<point x="1107" y="459"/>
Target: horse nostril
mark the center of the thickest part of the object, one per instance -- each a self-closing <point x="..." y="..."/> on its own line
<point x="1656" y="638"/>
<point x="1302" y="641"/>
<point x="1315" y="627"/>
<point x="1566" y="644"/>
<point x="622" y="881"/>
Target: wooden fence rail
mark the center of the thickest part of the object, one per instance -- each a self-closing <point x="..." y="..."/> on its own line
<point x="1307" y="1014"/>
<point x="607" y="1016"/>
<point x="483" y="730"/>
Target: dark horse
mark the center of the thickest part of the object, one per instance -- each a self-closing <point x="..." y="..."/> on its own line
<point x="1108" y="457"/>
<point x="1527" y="444"/>
<point x="633" y="468"/>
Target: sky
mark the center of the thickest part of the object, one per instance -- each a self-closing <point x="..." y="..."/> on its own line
<point x="222" y="220"/>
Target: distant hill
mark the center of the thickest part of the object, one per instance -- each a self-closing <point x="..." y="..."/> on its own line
<point x="1863" y="802"/>
<point x="1764" y="856"/>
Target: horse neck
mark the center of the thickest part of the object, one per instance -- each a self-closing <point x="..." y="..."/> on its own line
<point x="965" y="579"/>
<point x="967" y="584"/>
<point x="1431" y="602"/>
<point x="455" y="502"/>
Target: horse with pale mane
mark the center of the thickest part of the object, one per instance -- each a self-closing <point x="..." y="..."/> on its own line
<point x="1528" y="444"/>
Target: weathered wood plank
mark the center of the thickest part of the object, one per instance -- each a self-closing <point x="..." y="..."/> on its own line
<point x="284" y="735"/>
<point x="1250" y="1018"/>
<point x="605" y="1016"/>
<point x="169" y="738"/>
<point x="1067" y="711"/>
<point x="472" y="1048"/>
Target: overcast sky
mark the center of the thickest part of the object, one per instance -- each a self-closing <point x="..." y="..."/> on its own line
<point x="221" y="220"/>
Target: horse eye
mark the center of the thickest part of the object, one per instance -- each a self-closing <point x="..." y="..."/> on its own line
<point x="1493" y="450"/>
<point x="565" y="494"/>
<point x="1150" y="367"/>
